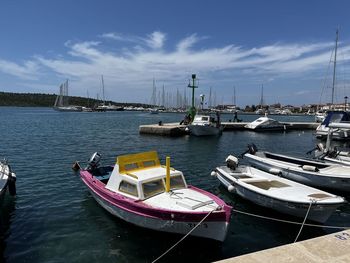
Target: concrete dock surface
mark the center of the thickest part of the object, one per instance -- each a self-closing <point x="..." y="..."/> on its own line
<point x="333" y="248"/>
<point x="175" y="129"/>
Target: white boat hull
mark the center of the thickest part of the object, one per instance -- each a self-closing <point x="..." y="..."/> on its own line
<point x="203" y="130"/>
<point x="210" y="230"/>
<point x="318" y="212"/>
<point x="316" y="179"/>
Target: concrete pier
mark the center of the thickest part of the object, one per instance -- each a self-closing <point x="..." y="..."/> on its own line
<point x="330" y="248"/>
<point x="175" y="129"/>
<point x="166" y="129"/>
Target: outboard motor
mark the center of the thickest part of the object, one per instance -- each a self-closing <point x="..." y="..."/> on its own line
<point x="94" y="161"/>
<point x="252" y="149"/>
<point x="320" y="147"/>
<point x="232" y="162"/>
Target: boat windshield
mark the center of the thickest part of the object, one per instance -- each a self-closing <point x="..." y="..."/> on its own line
<point x="153" y="187"/>
<point x="177" y="182"/>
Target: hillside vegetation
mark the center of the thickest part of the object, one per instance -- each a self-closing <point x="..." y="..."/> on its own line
<point x="48" y="100"/>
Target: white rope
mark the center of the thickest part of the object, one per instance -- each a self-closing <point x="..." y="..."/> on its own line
<point x="307" y="213"/>
<point x="178" y="242"/>
<point x="289" y="222"/>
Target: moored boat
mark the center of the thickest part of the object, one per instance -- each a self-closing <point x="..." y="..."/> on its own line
<point x="334" y="117"/>
<point x="310" y="172"/>
<point x="140" y="191"/>
<point x="204" y="125"/>
<point x="265" y="124"/>
<point x="277" y="193"/>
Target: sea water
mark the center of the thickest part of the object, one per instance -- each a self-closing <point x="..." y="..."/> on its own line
<point x="55" y="219"/>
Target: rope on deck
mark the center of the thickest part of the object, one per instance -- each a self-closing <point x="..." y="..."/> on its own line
<point x="178" y="242"/>
<point x="287" y="221"/>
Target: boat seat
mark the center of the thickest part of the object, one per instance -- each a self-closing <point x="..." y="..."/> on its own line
<point x="266" y="185"/>
<point x="253" y="180"/>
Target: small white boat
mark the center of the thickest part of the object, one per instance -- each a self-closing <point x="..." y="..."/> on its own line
<point x="140" y="191"/>
<point x="7" y="179"/>
<point x="265" y="124"/>
<point x="335" y="117"/>
<point x="204" y="125"/>
<point x="320" y="115"/>
<point x="311" y="172"/>
<point x="277" y="193"/>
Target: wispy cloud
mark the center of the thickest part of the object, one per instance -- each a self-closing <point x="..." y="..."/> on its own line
<point x="28" y="70"/>
<point x="172" y="63"/>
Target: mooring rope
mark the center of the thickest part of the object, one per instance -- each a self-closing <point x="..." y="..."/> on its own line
<point x="307" y="213"/>
<point x="178" y="242"/>
<point x="287" y="221"/>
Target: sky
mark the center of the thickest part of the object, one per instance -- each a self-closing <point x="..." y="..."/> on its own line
<point x="284" y="46"/>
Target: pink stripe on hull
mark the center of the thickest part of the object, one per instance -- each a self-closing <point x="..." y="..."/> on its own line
<point x="140" y="208"/>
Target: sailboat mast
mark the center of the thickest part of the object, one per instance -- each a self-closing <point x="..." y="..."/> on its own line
<point x="103" y="90"/>
<point x="234" y="96"/>
<point x="262" y="96"/>
<point x="335" y="64"/>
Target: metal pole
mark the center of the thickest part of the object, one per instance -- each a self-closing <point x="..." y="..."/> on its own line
<point x="335" y="63"/>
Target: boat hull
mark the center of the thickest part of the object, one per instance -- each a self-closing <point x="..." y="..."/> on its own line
<point x="3" y="190"/>
<point x="214" y="227"/>
<point x="309" y="178"/>
<point x="202" y="130"/>
<point x="318" y="212"/>
<point x="210" y="230"/>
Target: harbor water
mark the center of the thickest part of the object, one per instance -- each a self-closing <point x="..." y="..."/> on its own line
<point x="53" y="218"/>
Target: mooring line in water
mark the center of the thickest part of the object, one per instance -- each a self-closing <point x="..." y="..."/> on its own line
<point x="178" y="242"/>
<point x="307" y="213"/>
<point x="287" y="221"/>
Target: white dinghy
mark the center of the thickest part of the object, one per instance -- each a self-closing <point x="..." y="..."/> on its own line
<point x="277" y="193"/>
<point x="310" y="172"/>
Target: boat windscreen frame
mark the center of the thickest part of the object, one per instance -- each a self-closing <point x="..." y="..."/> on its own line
<point x="293" y="160"/>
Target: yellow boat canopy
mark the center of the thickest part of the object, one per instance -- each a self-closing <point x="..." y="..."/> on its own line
<point x="137" y="161"/>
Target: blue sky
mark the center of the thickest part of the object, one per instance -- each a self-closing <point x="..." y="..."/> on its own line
<point x="284" y="45"/>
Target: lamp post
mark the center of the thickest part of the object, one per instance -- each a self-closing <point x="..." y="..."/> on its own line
<point x="346" y="101"/>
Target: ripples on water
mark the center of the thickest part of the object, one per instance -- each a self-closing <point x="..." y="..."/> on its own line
<point x="55" y="219"/>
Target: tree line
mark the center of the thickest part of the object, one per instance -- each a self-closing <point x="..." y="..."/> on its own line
<point x="48" y="100"/>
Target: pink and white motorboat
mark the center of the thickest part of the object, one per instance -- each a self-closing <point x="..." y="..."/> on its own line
<point x="139" y="190"/>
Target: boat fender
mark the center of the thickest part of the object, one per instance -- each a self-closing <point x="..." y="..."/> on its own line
<point x="310" y="168"/>
<point x="12" y="183"/>
<point x="231" y="188"/>
<point x="232" y="162"/>
<point x="275" y="171"/>
<point x="213" y="173"/>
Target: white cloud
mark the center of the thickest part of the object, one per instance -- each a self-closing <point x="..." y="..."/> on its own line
<point x="133" y="67"/>
<point x="28" y="70"/>
<point x="156" y="40"/>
